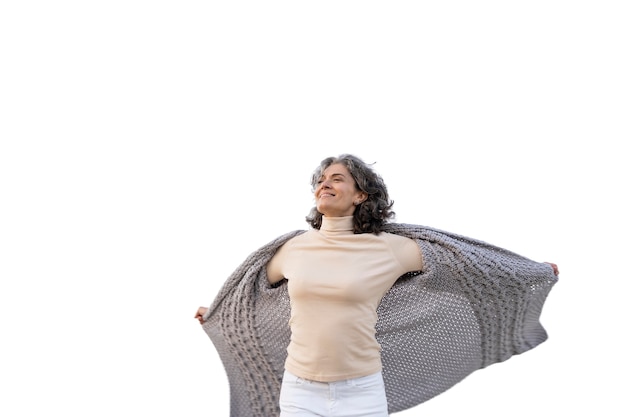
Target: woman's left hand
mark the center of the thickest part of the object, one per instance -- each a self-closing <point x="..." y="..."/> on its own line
<point x="555" y="268"/>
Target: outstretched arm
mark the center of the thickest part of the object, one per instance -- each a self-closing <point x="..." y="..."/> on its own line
<point x="274" y="267"/>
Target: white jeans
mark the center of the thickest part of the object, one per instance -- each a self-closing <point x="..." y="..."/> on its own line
<point x="358" y="397"/>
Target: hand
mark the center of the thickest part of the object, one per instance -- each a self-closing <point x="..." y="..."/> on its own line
<point x="555" y="268"/>
<point x="200" y="313"/>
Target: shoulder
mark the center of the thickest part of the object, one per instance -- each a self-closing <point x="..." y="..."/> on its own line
<point x="400" y="241"/>
<point x="395" y="237"/>
<point x="406" y="249"/>
<point x="300" y="236"/>
<point x="281" y="246"/>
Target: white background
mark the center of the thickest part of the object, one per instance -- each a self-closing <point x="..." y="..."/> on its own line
<point x="147" y="147"/>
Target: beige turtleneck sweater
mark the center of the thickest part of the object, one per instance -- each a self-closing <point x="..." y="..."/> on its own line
<point x="336" y="280"/>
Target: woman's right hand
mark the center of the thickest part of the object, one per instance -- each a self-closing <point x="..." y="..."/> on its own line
<point x="200" y="313"/>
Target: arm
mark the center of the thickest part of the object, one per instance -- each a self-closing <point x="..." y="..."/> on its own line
<point x="418" y="260"/>
<point x="274" y="267"/>
<point x="408" y="253"/>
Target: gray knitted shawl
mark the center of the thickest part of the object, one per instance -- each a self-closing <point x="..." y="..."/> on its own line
<point x="474" y="304"/>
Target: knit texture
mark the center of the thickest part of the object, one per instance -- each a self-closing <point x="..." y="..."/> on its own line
<point x="474" y="304"/>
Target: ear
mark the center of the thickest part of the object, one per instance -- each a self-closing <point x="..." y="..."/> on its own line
<point x="362" y="196"/>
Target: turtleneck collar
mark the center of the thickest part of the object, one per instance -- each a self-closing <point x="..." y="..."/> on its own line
<point x="337" y="224"/>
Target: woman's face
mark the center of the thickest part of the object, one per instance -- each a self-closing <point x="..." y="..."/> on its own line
<point x="336" y="194"/>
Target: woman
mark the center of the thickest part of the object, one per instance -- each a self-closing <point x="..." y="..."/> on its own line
<point x="337" y="273"/>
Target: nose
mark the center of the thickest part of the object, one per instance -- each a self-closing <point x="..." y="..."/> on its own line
<point x="325" y="184"/>
<point x="320" y="183"/>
